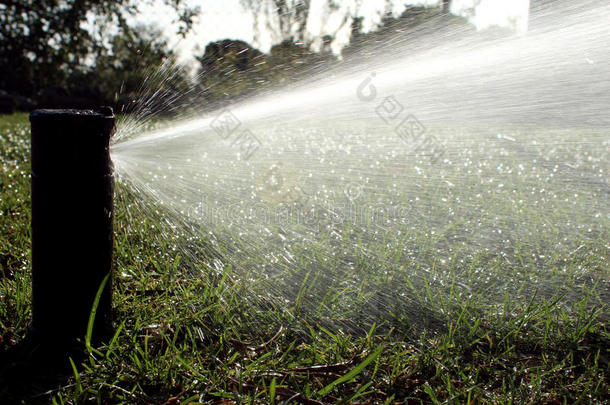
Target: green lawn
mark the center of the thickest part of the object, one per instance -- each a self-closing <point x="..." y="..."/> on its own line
<point x="187" y="336"/>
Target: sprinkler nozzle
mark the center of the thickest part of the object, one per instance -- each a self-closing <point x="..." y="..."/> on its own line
<point x="72" y="191"/>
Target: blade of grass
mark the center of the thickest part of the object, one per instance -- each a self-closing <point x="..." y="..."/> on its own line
<point x="352" y="373"/>
<point x="96" y="302"/>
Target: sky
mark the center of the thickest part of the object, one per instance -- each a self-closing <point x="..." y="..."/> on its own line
<point x="220" y="19"/>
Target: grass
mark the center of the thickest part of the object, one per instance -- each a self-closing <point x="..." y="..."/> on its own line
<point x="189" y="337"/>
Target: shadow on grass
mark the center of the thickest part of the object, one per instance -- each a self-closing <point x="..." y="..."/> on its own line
<point x="32" y="370"/>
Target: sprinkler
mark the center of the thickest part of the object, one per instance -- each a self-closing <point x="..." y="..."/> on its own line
<point x="72" y="190"/>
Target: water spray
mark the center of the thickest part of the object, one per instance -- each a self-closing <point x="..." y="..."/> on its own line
<point x="72" y="191"/>
<point x="409" y="169"/>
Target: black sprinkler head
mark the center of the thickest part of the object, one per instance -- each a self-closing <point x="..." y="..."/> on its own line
<point x="72" y="191"/>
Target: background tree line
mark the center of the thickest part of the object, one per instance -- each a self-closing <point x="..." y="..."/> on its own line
<point x="51" y="56"/>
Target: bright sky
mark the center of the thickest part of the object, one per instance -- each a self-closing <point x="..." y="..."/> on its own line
<point x="220" y="19"/>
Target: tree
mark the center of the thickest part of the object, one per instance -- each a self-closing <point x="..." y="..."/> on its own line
<point x="446" y="6"/>
<point x="232" y="69"/>
<point x="140" y="73"/>
<point x="45" y="42"/>
<point x="292" y="16"/>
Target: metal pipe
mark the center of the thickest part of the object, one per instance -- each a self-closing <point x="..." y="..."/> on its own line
<point x="72" y="190"/>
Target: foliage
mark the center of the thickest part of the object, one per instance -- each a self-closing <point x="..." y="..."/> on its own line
<point x="292" y="16"/>
<point x="51" y="43"/>
<point x="231" y="69"/>
<point x="42" y="40"/>
<point x="139" y="66"/>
